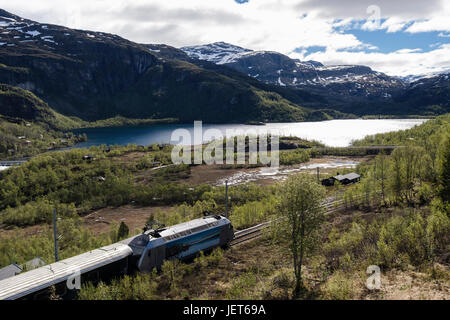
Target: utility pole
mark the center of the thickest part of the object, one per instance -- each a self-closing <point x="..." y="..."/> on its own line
<point x="318" y="175"/>
<point x="55" y="234"/>
<point x="226" y="199"/>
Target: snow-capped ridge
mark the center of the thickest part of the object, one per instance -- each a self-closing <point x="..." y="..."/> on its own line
<point x="278" y="69"/>
<point x="217" y="52"/>
<point x="414" y="78"/>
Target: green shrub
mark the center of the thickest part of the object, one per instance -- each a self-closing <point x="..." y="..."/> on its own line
<point x="36" y="212"/>
<point x="242" y="287"/>
<point x="339" y="287"/>
<point x="252" y="213"/>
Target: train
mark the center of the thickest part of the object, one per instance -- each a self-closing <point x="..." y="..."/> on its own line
<point x="141" y="253"/>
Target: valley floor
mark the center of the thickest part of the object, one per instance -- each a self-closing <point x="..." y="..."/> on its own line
<point x="135" y="217"/>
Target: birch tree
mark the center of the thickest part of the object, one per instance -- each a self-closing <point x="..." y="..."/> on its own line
<point x="300" y="217"/>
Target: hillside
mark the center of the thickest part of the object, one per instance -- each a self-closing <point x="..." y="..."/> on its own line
<point x="17" y="103"/>
<point x="94" y="75"/>
<point x="352" y="89"/>
<point x="28" y="126"/>
<point x="430" y="95"/>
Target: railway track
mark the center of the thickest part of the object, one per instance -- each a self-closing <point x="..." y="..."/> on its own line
<point x="248" y="234"/>
<point x="255" y="231"/>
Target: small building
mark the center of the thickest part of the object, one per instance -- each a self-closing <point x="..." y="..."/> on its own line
<point x="88" y="158"/>
<point x="10" y="271"/>
<point x="328" y="182"/>
<point x="14" y="269"/>
<point x="34" y="263"/>
<point x="343" y="179"/>
<point x="348" y="178"/>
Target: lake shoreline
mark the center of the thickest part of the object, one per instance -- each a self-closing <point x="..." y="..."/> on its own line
<point x="325" y="132"/>
<point x="333" y="133"/>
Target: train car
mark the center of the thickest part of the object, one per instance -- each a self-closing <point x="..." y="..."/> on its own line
<point x="91" y="266"/>
<point x="140" y="253"/>
<point x="182" y="241"/>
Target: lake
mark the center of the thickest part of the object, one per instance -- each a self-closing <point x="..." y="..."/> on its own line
<point x="335" y="133"/>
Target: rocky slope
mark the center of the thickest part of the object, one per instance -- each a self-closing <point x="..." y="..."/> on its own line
<point x="348" y="88"/>
<point x="95" y="75"/>
<point x="275" y="68"/>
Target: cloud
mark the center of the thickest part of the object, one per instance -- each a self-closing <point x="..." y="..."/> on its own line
<point x="342" y="9"/>
<point x="434" y="24"/>
<point x="421" y="16"/>
<point x="408" y="50"/>
<point x="399" y="63"/>
<point x="152" y="12"/>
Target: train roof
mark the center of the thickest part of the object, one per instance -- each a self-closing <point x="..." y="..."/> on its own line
<point x="189" y="227"/>
<point x="46" y="276"/>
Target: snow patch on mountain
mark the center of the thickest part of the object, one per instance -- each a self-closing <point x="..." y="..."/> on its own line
<point x="274" y="68"/>
<point x="33" y="33"/>
<point x="414" y="78"/>
<point x="217" y="52"/>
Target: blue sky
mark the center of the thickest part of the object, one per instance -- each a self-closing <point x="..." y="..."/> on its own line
<point x="399" y="37"/>
<point x="392" y="41"/>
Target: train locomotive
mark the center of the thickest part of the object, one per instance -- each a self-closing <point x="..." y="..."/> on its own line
<point x="143" y="253"/>
<point x="182" y="241"/>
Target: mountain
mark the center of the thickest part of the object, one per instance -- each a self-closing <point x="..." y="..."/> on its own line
<point x="96" y="75"/>
<point x="349" y="88"/>
<point x="298" y="96"/>
<point x="428" y="95"/>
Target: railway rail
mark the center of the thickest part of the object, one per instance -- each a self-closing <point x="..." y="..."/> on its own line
<point x="248" y="234"/>
<point x="255" y="231"/>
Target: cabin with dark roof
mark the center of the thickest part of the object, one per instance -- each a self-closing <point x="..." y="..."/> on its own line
<point x="328" y="182"/>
